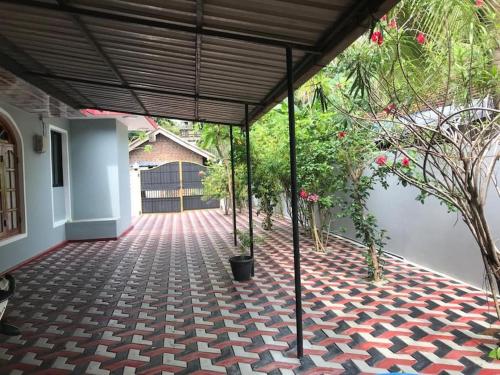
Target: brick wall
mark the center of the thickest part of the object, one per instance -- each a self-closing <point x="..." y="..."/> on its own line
<point x="164" y="151"/>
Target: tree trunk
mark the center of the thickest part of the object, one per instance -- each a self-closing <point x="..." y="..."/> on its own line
<point x="479" y="227"/>
<point x="377" y="272"/>
<point x="314" y="231"/>
<point x="369" y="241"/>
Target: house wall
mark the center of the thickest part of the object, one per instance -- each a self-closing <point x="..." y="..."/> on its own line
<point x="100" y="187"/>
<point x="94" y="169"/>
<point x="163" y="151"/>
<point x="98" y="175"/>
<point x="59" y="204"/>
<point x="40" y="232"/>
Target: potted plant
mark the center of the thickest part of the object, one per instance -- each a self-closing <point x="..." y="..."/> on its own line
<point x="242" y="264"/>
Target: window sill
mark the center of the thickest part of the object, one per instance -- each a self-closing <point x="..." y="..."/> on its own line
<point x="59" y="223"/>
<point x="14" y="238"/>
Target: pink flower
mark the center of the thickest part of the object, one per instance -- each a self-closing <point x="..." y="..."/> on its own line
<point x="479" y="3"/>
<point x="313" y="198"/>
<point x="381" y="160"/>
<point x="303" y="194"/>
<point x="377" y="37"/>
<point x="405" y="162"/>
<point x="384" y="18"/>
<point x="393" y="24"/>
<point x="420" y="38"/>
<point x="201" y="173"/>
<point x="342" y="134"/>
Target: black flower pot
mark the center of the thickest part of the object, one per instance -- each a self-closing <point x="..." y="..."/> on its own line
<point x="241" y="266"/>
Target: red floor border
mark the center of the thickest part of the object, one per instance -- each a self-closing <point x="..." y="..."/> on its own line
<point x="35" y="257"/>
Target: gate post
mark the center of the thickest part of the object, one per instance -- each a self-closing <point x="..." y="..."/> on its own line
<point x="181" y="189"/>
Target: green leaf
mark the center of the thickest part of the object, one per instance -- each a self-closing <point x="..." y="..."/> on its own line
<point x="495" y="353"/>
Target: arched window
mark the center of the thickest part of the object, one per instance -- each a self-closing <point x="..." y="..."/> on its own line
<point x="10" y="215"/>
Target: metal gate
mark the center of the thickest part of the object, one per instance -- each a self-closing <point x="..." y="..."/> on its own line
<point x="174" y="187"/>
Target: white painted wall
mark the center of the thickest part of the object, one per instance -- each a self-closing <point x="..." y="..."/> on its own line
<point x="39" y="233"/>
<point x="99" y="179"/>
<point x="428" y="235"/>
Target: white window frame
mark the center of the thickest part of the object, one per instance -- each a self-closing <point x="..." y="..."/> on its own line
<point x="66" y="175"/>
<point x="21" y="180"/>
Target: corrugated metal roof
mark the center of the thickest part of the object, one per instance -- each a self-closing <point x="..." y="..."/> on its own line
<point x="198" y="60"/>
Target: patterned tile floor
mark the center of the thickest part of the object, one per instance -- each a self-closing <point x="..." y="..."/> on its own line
<point x="161" y="300"/>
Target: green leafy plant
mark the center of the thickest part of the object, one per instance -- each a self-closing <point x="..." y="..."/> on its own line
<point x="356" y="152"/>
<point x="315" y="171"/>
<point x="244" y="241"/>
<point x="217" y="184"/>
<point x="169" y="125"/>
<point x="494" y="353"/>
<point x="266" y="167"/>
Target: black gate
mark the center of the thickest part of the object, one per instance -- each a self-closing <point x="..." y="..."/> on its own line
<point x="174" y="187"/>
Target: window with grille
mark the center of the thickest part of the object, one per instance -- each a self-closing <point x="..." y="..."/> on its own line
<point x="10" y="216"/>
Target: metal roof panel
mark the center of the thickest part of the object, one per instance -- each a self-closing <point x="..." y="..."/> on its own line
<point x="187" y="59"/>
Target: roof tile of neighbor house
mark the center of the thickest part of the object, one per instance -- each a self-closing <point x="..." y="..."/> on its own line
<point x="150" y="122"/>
<point x="167" y="147"/>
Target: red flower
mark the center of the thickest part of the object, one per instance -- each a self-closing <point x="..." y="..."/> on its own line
<point x="393" y="24"/>
<point x="405" y="162"/>
<point x="391" y="108"/>
<point x="303" y="194"/>
<point x="380" y="39"/>
<point x="420" y="38"/>
<point x="377" y="37"/>
<point x="479" y="3"/>
<point x="342" y="134"/>
<point x="381" y="160"/>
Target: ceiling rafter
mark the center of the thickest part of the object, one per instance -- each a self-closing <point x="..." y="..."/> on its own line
<point x="138" y="88"/>
<point x="104" y="56"/>
<point x="159" y="115"/>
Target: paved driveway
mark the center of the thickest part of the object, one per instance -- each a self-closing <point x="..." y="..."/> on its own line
<point x="161" y="300"/>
